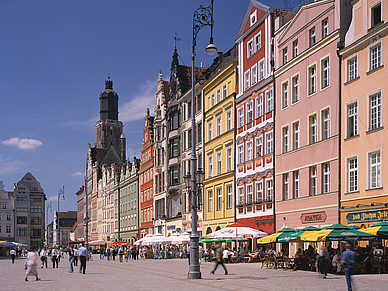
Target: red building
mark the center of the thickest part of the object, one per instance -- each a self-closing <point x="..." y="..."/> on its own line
<point x="146" y="174"/>
<point x="254" y="120"/>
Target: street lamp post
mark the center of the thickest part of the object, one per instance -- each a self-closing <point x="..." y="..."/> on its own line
<point x="60" y="192"/>
<point x="203" y="16"/>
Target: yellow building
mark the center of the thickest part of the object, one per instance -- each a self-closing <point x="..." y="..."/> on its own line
<point x="219" y="129"/>
<point x="363" y="77"/>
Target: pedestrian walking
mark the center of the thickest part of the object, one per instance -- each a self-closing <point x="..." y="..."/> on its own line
<point x="323" y="260"/>
<point x="43" y="257"/>
<point x="13" y="255"/>
<point x="134" y="253"/>
<point x="31" y="263"/>
<point x="114" y="253"/>
<point x="71" y="259"/>
<point x="108" y="254"/>
<point x="55" y="256"/>
<point x="75" y="256"/>
<point x="83" y="257"/>
<point x="348" y="260"/>
<point x="121" y="253"/>
<point x="126" y="255"/>
<point x="219" y="259"/>
<point x="101" y="253"/>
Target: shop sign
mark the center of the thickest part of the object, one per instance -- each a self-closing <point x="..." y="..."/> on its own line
<point x="170" y="227"/>
<point x="367" y="216"/>
<point x="313" y="217"/>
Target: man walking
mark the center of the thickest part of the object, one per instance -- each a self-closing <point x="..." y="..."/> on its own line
<point x="43" y="257"/>
<point x="13" y="255"/>
<point x="348" y="259"/>
<point x="82" y="254"/>
<point x="55" y="253"/>
<point x="219" y="259"/>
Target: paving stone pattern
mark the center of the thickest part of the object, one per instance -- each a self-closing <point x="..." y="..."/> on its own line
<point x="172" y="275"/>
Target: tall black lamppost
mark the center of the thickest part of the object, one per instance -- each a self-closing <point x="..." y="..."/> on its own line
<point x="60" y="192"/>
<point x="203" y="16"/>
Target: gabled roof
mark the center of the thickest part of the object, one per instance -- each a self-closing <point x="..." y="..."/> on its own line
<point x="111" y="156"/>
<point x="246" y="18"/>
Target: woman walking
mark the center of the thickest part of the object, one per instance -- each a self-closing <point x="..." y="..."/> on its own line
<point x="32" y="257"/>
<point x="71" y="259"/>
<point x="323" y="260"/>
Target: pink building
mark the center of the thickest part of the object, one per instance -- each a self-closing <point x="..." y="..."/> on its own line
<point x="307" y="117"/>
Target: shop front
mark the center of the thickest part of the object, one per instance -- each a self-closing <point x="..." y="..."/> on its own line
<point x="173" y="225"/>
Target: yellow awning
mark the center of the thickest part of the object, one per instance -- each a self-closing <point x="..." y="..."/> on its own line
<point x="371" y="230"/>
<point x="318" y="235"/>
<point x="268" y="239"/>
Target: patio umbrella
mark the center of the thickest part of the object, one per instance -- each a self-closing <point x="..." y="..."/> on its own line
<point x="174" y="238"/>
<point x="184" y="238"/>
<point x="12" y="244"/>
<point x="353" y="226"/>
<point x="273" y="237"/>
<point x="158" y="238"/>
<point x="336" y="226"/>
<point x="143" y="240"/>
<point x="213" y="240"/>
<point x="237" y="230"/>
<point x="295" y="236"/>
<point x="336" y="235"/>
<point x="379" y="229"/>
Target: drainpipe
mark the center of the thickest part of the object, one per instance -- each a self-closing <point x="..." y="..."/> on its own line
<point x="339" y="131"/>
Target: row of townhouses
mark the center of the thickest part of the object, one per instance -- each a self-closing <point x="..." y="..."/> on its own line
<point x="289" y="131"/>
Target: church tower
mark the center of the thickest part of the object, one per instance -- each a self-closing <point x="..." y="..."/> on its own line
<point x="109" y="130"/>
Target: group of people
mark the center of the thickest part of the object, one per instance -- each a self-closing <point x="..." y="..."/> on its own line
<point x="55" y="253"/>
<point x="124" y="253"/>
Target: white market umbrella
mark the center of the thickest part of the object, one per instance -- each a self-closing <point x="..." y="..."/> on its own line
<point x="158" y="238"/>
<point x="184" y="238"/>
<point x="144" y="240"/>
<point x="237" y="230"/>
<point x="12" y="244"/>
<point x="174" y="238"/>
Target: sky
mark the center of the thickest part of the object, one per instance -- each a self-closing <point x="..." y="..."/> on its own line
<point x="55" y="57"/>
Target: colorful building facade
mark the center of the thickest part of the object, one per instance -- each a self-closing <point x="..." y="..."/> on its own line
<point x="363" y="77"/>
<point x="254" y="120"/>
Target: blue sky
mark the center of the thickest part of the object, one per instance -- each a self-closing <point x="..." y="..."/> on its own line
<point x="55" y="57"/>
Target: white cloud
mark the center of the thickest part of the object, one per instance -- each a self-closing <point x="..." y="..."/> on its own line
<point x="90" y="123"/>
<point x="10" y="166"/>
<point x="131" y="153"/>
<point x="77" y="174"/>
<point x="23" y="144"/>
<point x="135" y="109"/>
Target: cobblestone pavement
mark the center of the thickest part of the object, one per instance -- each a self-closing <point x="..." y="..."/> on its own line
<point x="172" y="275"/>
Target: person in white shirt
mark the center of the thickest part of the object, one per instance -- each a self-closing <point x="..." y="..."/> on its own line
<point x="13" y="255"/>
<point x="225" y="255"/>
<point x="43" y="257"/>
<point x="337" y="261"/>
<point x="55" y="254"/>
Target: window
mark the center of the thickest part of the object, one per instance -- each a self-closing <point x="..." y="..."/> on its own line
<point x="8" y="217"/>
<point x="4" y="206"/>
<point x="174" y="147"/>
<point x="250" y="49"/>
<point x="174" y="175"/>
<point x="313" y="128"/>
<point x="325" y="73"/>
<point x="249" y="151"/>
<point x="312" y="36"/>
<point x="352" y="175"/>
<point x="261" y="70"/>
<point x="218" y="126"/>
<point x="295" y="89"/>
<point x="375" y="14"/>
<point x="259" y="105"/>
<point x="375" y="57"/>
<point x="229" y="159"/>
<point x="249" y="112"/>
<point x="325" y="124"/>
<point x="240" y="113"/>
<point x="285" y="186"/>
<point x="269" y="98"/>
<point x="295" y="48"/>
<point x="210" y="167"/>
<point x="285" y="139"/>
<point x="240" y="196"/>
<point x="189" y="139"/>
<point x="285" y="55"/>
<point x="21" y="220"/>
<point x="175" y="121"/>
<point x="259" y="192"/>
<point x="218" y="95"/>
<point x="229" y="191"/>
<point x="199" y="132"/>
<point x="312" y="79"/>
<point x="375" y="111"/>
<point x="285" y="95"/>
<point x="8" y="229"/>
<point x="313" y="181"/>
<point x="259" y="146"/>
<point x="219" y="199"/>
<point x="269" y="139"/>
<point x="352" y="69"/>
<point x="249" y="194"/>
<point x="36" y="220"/>
<point x="199" y="103"/>
<point x="325" y="28"/>
<point x="254" y="75"/>
<point x="224" y="91"/>
<point x="269" y="187"/>
<point x="219" y="160"/>
<point x="241" y="154"/>
<point x="258" y="42"/>
<point x="209" y="131"/>
<point x="352" y="120"/>
<point x="246" y="82"/>
<point x="296" y="184"/>
<point x="189" y="110"/>
<point x="374" y="170"/>
<point x="228" y="120"/>
<point x="210" y="194"/>
<point x="212" y="100"/>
